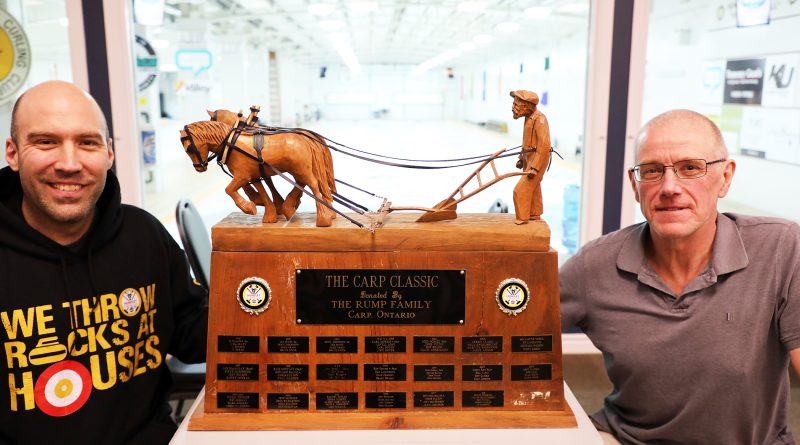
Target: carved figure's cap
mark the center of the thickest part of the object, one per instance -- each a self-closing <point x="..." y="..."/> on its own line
<point x="527" y="96"/>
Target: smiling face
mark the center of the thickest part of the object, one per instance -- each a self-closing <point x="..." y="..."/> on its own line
<point x="681" y="209"/>
<point x="62" y="152"/>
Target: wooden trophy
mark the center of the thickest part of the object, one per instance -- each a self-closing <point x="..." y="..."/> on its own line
<point x="316" y="323"/>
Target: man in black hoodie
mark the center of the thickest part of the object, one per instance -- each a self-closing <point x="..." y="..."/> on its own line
<point x="93" y="293"/>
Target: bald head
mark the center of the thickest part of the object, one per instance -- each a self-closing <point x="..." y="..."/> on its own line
<point x="685" y="123"/>
<point x="47" y="92"/>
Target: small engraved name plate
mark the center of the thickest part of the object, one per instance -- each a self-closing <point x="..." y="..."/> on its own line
<point x="542" y="371"/>
<point x="385" y="400"/>
<point x="388" y="344"/>
<point x="287" y="401"/>
<point x="337" y="371"/>
<point x="384" y="371"/>
<point x="338" y="345"/>
<point x="287" y="373"/>
<point x="532" y="343"/>
<point x="482" y="399"/>
<point x="481" y="373"/>
<point x="433" y="399"/>
<point x="237" y="400"/>
<point x="434" y="344"/>
<point x="288" y="345"/>
<point x="237" y="371"/>
<point x="482" y="344"/>
<point x="434" y="373"/>
<point x="337" y="400"/>
<point x="237" y="343"/>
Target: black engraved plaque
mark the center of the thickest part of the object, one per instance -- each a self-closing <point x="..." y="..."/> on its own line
<point x="532" y="343"/>
<point x="482" y="399"/>
<point x="337" y="345"/>
<point x="481" y="373"/>
<point x="288" y="345"/>
<point x="287" y="401"/>
<point x="384" y="371"/>
<point x="433" y="399"/>
<point x="237" y="400"/>
<point x="542" y="371"/>
<point x="337" y="400"/>
<point x="434" y="344"/>
<point x="388" y="344"/>
<point x="482" y="344"/>
<point x="237" y="343"/>
<point x="434" y="373"/>
<point x="237" y="371"/>
<point x="337" y="371"/>
<point x="385" y="400"/>
<point x="380" y="296"/>
<point x="287" y="373"/>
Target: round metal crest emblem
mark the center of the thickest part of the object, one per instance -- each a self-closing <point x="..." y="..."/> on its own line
<point x="254" y="295"/>
<point x="512" y="296"/>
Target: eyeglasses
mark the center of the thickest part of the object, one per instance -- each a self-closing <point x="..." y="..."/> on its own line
<point x="686" y="169"/>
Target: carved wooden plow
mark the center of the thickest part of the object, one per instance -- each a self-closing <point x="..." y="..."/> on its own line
<point x="446" y="209"/>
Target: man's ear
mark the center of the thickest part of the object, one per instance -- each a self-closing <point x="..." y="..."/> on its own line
<point x="110" y="144"/>
<point x="633" y="185"/>
<point x="12" y="155"/>
<point x="727" y="177"/>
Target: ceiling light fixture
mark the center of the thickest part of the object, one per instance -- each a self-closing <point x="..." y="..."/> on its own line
<point x="538" y="12"/>
<point x="435" y="61"/>
<point x="331" y="25"/>
<point x="173" y="11"/>
<point x="466" y="46"/>
<point x="471" y="6"/>
<point x="321" y="9"/>
<point x="363" y="6"/>
<point x="574" y="8"/>
<point x="342" y="46"/>
<point x="482" y="39"/>
<point x="507" y="26"/>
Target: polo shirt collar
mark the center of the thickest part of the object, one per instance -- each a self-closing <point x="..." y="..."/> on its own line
<point x="728" y="254"/>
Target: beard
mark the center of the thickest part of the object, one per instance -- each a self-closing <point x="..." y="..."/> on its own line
<point x="40" y="199"/>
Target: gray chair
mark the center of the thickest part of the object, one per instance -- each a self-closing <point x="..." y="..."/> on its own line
<point x="189" y="379"/>
<point x="195" y="239"/>
<point x="498" y="206"/>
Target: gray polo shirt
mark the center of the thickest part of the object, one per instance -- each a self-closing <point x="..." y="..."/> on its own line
<point x="708" y="366"/>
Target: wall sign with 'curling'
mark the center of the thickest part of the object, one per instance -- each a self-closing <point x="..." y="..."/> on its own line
<point x="15" y="56"/>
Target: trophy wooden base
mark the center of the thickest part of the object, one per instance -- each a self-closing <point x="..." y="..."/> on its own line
<point x="445" y="325"/>
<point x="202" y="421"/>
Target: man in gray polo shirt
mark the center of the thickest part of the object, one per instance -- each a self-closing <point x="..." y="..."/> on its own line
<point x="697" y="313"/>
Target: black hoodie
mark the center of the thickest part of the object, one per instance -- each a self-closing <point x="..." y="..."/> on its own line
<point x="86" y="328"/>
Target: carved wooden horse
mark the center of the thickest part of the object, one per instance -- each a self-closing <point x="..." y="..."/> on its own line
<point x="255" y="155"/>
<point x="231" y="118"/>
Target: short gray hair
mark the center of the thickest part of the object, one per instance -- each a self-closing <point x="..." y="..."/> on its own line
<point x="673" y="116"/>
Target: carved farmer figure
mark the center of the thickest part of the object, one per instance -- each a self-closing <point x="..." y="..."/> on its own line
<point x="536" y="138"/>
